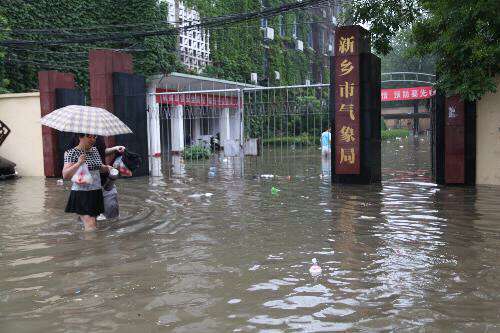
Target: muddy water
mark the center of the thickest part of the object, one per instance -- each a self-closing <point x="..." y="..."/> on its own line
<point x="221" y="253"/>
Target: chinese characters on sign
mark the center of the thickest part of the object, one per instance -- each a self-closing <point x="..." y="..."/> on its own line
<point x="347" y="102"/>
<point x="194" y="99"/>
<point x="404" y="94"/>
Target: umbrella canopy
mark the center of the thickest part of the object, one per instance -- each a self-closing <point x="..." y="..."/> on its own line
<point x="86" y="120"/>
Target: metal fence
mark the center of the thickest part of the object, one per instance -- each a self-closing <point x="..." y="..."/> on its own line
<point x="241" y="127"/>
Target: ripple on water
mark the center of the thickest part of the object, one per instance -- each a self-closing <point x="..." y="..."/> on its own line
<point x="402" y="255"/>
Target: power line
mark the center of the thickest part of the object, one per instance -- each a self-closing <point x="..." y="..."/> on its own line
<point x="83" y="50"/>
<point x="66" y="30"/>
<point x="213" y="22"/>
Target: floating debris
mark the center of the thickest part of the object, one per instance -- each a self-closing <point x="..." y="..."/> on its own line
<point x="315" y="269"/>
<point x="199" y="195"/>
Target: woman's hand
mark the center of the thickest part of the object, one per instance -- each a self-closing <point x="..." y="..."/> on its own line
<point x="106" y="168"/>
<point x="119" y="149"/>
<point x="115" y="149"/>
<point x="82" y="159"/>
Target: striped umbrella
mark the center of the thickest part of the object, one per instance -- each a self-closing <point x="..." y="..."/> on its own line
<point x="85" y="120"/>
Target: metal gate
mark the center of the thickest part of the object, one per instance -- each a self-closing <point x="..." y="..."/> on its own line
<point x="257" y="129"/>
<point x="286" y="124"/>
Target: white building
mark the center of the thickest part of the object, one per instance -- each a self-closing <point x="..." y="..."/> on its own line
<point x="193" y="44"/>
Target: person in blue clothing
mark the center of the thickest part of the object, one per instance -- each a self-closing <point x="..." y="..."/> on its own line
<point x="326" y="142"/>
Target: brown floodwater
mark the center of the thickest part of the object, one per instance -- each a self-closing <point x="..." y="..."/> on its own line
<point x="197" y="251"/>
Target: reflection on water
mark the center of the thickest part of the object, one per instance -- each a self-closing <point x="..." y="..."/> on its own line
<point x="200" y="252"/>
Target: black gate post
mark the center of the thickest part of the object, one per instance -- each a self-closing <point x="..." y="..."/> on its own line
<point x="129" y="93"/>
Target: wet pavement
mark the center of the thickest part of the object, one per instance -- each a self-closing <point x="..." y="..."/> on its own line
<point x="216" y="252"/>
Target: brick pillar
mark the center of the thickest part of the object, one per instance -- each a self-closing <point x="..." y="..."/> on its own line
<point x="48" y="82"/>
<point x="102" y="64"/>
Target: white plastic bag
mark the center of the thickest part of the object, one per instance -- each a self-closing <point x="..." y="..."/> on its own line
<point x="122" y="168"/>
<point x="82" y="176"/>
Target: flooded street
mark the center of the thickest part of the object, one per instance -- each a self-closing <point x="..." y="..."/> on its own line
<point x="222" y="253"/>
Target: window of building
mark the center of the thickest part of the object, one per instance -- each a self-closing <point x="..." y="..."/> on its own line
<point x="321" y="41"/>
<point x="282" y="26"/>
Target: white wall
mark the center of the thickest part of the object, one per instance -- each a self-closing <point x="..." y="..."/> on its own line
<point x="21" y="113"/>
<point x="488" y="138"/>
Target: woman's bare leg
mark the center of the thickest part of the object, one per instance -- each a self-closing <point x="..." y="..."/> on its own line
<point x="89" y="222"/>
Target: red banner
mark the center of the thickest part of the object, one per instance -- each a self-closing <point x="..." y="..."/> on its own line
<point x="407" y="94"/>
<point x="196" y="99"/>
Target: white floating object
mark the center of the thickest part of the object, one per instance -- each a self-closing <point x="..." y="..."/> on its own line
<point x="266" y="176"/>
<point x="315" y="269"/>
<point x="254" y="268"/>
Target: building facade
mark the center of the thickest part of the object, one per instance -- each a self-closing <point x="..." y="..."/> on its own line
<point x="193" y="45"/>
<point x="311" y="33"/>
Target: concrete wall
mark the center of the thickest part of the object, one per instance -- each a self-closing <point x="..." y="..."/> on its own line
<point x="21" y="113"/>
<point x="488" y="138"/>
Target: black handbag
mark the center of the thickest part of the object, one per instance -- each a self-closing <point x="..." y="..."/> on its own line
<point x="132" y="160"/>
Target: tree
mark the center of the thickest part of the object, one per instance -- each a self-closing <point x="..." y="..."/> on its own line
<point x="462" y="35"/>
<point x="401" y="58"/>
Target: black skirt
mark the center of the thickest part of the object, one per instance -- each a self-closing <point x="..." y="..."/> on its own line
<point x="85" y="203"/>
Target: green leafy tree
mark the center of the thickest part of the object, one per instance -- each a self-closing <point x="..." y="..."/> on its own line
<point x="402" y="58"/>
<point x="461" y="35"/>
<point x="464" y="37"/>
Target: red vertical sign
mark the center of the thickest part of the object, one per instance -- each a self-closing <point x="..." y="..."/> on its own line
<point x="347" y="103"/>
<point x="454" y="132"/>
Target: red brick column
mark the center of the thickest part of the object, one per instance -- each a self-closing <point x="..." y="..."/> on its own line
<point x="102" y="64"/>
<point x="48" y="82"/>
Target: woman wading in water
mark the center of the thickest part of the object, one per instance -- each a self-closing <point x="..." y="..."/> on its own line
<point x="86" y="200"/>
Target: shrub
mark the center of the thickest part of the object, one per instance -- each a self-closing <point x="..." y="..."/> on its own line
<point x="395" y="133"/>
<point x="196" y="152"/>
<point x="303" y="139"/>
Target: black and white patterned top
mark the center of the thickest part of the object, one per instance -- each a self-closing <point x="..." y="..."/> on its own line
<point x="93" y="162"/>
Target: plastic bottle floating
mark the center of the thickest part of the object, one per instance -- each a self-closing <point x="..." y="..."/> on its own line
<point x="315" y="269"/>
<point x="274" y="190"/>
